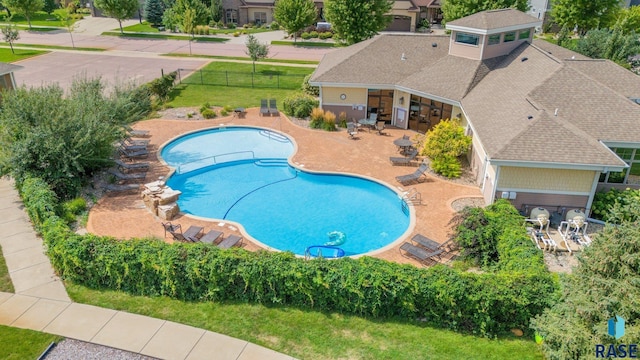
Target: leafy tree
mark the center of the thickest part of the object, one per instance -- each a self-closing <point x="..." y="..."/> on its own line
<point x="609" y="44"/>
<point x="445" y="142"/>
<point x="10" y="34"/>
<point x="603" y="285"/>
<point x="118" y="9"/>
<point x="49" y="6"/>
<point x="188" y="24"/>
<point x="357" y="20"/>
<point x="201" y="12"/>
<point x="62" y="138"/>
<point x="26" y="7"/>
<point x="585" y="14"/>
<point x="295" y="15"/>
<point x="170" y="19"/>
<point x="217" y="10"/>
<point x="456" y="9"/>
<point x="153" y="11"/>
<point x="67" y="20"/>
<point x="256" y="50"/>
<point x="628" y="20"/>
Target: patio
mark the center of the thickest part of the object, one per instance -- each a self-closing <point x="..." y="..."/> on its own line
<point x="125" y="216"/>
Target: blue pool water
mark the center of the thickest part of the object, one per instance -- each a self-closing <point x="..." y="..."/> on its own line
<point x="278" y="205"/>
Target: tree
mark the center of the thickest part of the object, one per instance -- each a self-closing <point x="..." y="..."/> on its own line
<point x="217" y="10"/>
<point x="153" y="11"/>
<point x="628" y="20"/>
<point x="357" y="20"/>
<point x="118" y="9"/>
<point x="170" y="19"/>
<point x="609" y="44"/>
<point x="49" y="6"/>
<point x="456" y="9"/>
<point x="585" y="15"/>
<point x="602" y="286"/>
<point x="295" y="15"/>
<point x="201" y="12"/>
<point x="26" y="7"/>
<point x="445" y="142"/>
<point x="256" y="50"/>
<point x="10" y="35"/>
<point x="65" y="18"/>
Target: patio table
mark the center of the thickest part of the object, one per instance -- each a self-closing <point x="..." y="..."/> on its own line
<point x="369" y="123"/>
<point x="403" y="144"/>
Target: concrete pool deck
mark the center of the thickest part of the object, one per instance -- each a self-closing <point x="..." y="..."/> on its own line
<point x="125" y="216"/>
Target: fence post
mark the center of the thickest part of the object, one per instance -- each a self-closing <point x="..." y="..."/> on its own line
<point x="180" y="76"/>
<point x="161" y="72"/>
<point x="201" y="79"/>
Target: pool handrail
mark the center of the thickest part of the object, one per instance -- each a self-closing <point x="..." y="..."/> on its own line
<point x="179" y="168"/>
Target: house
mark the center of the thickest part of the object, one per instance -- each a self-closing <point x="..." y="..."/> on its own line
<point x="7" y="80"/>
<point x="549" y="126"/>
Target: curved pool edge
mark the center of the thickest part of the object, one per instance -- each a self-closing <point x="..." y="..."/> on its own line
<point x="298" y="167"/>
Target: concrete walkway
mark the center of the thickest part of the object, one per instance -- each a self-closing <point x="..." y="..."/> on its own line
<point x="41" y="303"/>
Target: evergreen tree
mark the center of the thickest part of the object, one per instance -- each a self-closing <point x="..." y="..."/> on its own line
<point x="49" y="6"/>
<point x="153" y="11"/>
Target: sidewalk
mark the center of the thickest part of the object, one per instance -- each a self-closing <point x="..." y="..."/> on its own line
<point x="41" y="303"/>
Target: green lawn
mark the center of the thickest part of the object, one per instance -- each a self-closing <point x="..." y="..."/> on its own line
<point x="192" y="93"/>
<point x="7" y="56"/>
<point x="146" y="27"/>
<point x="305" y="43"/>
<point x="39" y="19"/>
<point x="5" y="280"/>
<point x="165" y="36"/>
<point x="22" y="344"/>
<point x="307" y="334"/>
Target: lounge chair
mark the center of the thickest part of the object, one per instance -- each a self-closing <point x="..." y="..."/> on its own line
<point x="273" y="109"/>
<point x="131" y="167"/>
<point x="138" y="133"/>
<point x="127" y="177"/>
<point x="422" y="255"/>
<point x="133" y="154"/>
<point x="211" y="237"/>
<point x="264" y="108"/>
<point x="176" y="231"/>
<point x="135" y="142"/>
<point x="121" y="187"/>
<point x="425" y="242"/>
<point x="405" y="160"/>
<point x="230" y="241"/>
<point x="352" y="130"/>
<point x="416" y="177"/>
<point x="379" y="127"/>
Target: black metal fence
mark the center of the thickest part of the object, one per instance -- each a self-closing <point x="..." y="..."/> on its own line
<point x="274" y="80"/>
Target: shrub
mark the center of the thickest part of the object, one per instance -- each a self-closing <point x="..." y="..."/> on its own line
<point x="72" y="208"/>
<point x="310" y="89"/>
<point x="316" y="118"/>
<point x="204" y="107"/>
<point x="305" y="35"/>
<point x="445" y="142"/>
<point x="325" y="35"/>
<point x="604" y="202"/>
<point x="209" y="114"/>
<point x="299" y="105"/>
<point x="313" y="34"/>
<point x="224" y="112"/>
<point x="236" y="34"/>
<point x="329" y="122"/>
<point x="161" y="87"/>
<point x="274" y="26"/>
<point x="342" y="119"/>
<point x="231" y="26"/>
<point x="447" y="166"/>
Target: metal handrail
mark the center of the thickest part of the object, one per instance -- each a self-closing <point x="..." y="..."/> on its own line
<point x="214" y="157"/>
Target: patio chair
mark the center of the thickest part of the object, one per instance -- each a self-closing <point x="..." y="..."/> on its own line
<point x="211" y="237"/>
<point x="131" y="167"/>
<point x="133" y="154"/>
<point x="352" y="130"/>
<point x="138" y="133"/>
<point x="404" y="160"/>
<point x="127" y="177"/>
<point x="264" y="108"/>
<point x="426" y="242"/>
<point x="273" y="109"/>
<point x="135" y="142"/>
<point x="423" y="256"/>
<point x="415" y="177"/>
<point x="379" y="127"/>
<point x="118" y="188"/>
<point x="230" y="241"/>
<point x="176" y="231"/>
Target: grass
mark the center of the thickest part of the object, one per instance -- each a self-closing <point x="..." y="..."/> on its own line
<point x="283" y="61"/>
<point x="305" y="43"/>
<point x="148" y="28"/>
<point x="20" y="54"/>
<point x="21" y="344"/>
<point x="52" y="47"/>
<point x="5" y="280"/>
<point x="191" y="93"/>
<point x="164" y="36"/>
<point x="307" y="334"/>
<point x="40" y="18"/>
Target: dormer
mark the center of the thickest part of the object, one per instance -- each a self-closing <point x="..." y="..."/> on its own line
<point x="490" y="33"/>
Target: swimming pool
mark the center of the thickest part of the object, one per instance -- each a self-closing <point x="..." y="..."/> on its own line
<point x="241" y="174"/>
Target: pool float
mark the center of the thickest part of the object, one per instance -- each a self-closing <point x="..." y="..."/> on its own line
<point x="336" y="238"/>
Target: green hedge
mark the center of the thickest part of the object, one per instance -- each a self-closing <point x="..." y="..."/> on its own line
<point x="486" y="304"/>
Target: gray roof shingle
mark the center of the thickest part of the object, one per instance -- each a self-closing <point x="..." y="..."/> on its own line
<point x="495" y="19"/>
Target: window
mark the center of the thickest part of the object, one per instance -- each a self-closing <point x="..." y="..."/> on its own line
<point x="261" y="18"/>
<point x="524" y="34"/>
<point x="494" y="39"/>
<point x="465" y="38"/>
<point x="232" y="16"/>
<point x="630" y="156"/>
<point x="510" y="36"/>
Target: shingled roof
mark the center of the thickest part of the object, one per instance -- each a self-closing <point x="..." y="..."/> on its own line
<point x="494" y="19"/>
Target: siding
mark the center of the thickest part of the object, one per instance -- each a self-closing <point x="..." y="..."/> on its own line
<point x="545" y="180"/>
